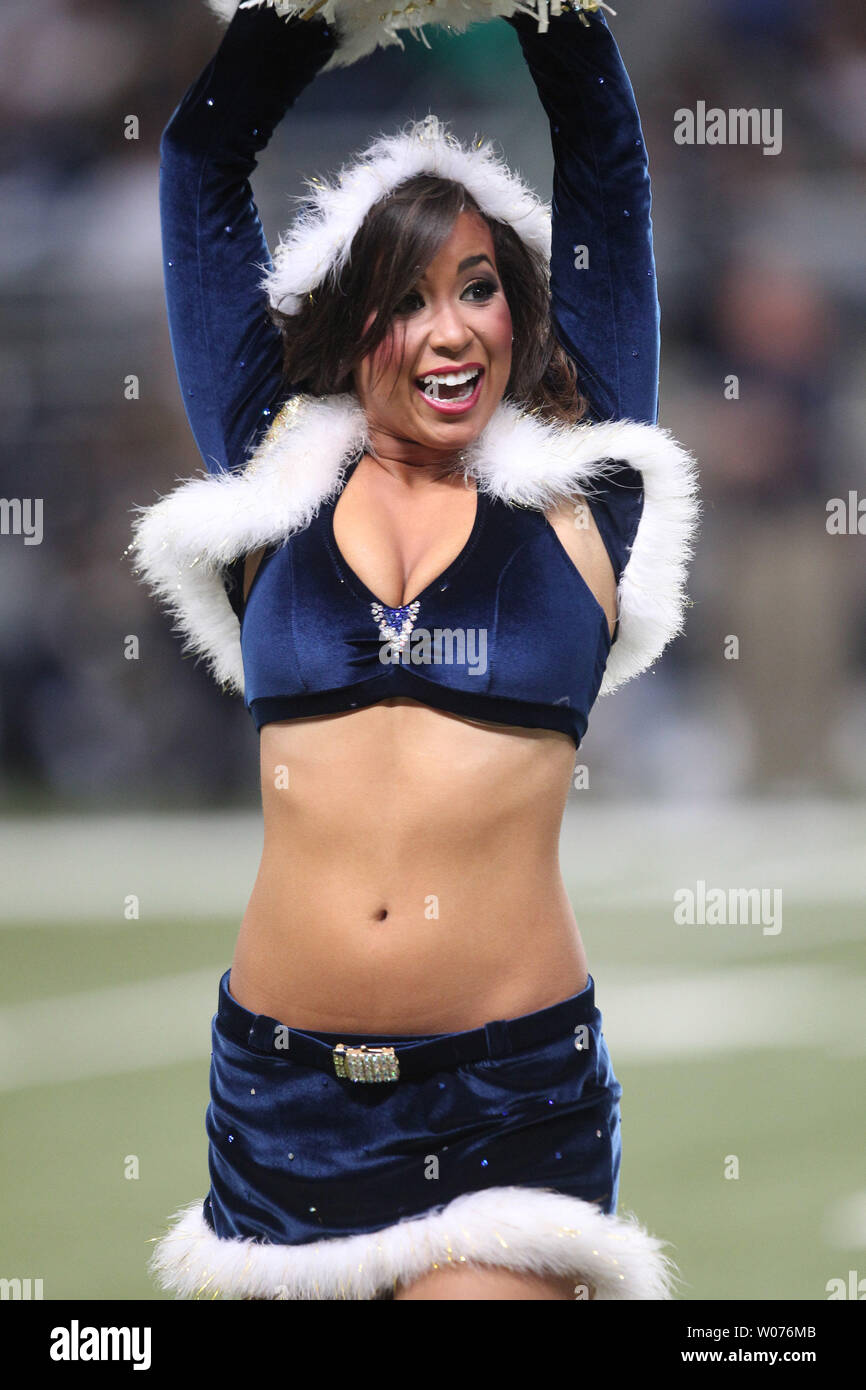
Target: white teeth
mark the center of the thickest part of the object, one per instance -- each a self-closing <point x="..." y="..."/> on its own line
<point x="451" y="378"/>
<point x="431" y="383"/>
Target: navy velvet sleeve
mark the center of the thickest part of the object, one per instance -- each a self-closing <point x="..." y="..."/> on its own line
<point x="605" y="311"/>
<point x="606" y="315"/>
<point x="227" y="352"/>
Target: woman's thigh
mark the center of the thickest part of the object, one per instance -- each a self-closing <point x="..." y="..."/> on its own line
<point x="485" y="1282"/>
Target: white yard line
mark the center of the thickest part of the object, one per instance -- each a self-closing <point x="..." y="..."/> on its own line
<point x="845" y="1223"/>
<point x="649" y="1016"/>
<point x="82" y="871"/>
<point x="104" y="1032"/>
<point x="64" y="870"/>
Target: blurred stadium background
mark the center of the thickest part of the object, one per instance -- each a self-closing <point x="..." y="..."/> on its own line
<point x="138" y="777"/>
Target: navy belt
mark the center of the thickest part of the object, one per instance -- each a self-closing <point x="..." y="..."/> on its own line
<point x="384" y="1057"/>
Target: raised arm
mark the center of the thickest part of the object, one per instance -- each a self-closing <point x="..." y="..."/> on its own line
<point x="606" y="315"/>
<point x="226" y="351"/>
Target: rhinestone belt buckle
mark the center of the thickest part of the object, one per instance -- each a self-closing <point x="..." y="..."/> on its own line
<point x="366" y="1063"/>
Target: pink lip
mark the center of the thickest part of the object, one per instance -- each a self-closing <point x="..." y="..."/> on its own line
<point x="456" y="367"/>
<point x="454" y="407"/>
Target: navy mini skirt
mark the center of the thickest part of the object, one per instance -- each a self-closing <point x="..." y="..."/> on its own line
<point x="342" y="1163"/>
<point x="298" y="1152"/>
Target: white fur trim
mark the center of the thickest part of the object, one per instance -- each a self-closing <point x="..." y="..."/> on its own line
<point x="517" y="1228"/>
<point x="536" y="464"/>
<point x="362" y="28"/>
<point x="652" y="590"/>
<point x="183" y="542"/>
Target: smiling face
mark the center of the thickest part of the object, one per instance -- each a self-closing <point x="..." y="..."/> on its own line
<point x="454" y="322"/>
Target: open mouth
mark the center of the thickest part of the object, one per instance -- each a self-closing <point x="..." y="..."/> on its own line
<point x="450" y="389"/>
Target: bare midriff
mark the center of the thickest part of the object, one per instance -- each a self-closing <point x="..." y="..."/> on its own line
<point x="410" y="878"/>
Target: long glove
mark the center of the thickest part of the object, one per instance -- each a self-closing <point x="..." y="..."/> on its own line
<point x="227" y="353"/>
<point x="606" y="311"/>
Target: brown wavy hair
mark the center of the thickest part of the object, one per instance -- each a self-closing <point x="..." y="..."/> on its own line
<point x="325" y="340"/>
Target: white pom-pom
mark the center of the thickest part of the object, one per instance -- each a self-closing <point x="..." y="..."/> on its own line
<point x="363" y="25"/>
<point x="223" y="9"/>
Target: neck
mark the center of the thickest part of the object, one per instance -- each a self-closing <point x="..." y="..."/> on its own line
<point x="410" y="463"/>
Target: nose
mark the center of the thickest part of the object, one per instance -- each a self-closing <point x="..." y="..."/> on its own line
<point x="449" y="332"/>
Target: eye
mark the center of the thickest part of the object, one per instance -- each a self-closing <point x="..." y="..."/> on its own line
<point x="479" y="292"/>
<point x="409" y="303"/>
<point x="487" y="289"/>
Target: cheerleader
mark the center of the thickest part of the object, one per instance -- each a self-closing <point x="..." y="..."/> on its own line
<point x="439" y="519"/>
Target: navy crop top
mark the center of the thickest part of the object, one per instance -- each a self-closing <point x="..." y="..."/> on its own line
<point x="484" y="639"/>
<point x="510" y="632"/>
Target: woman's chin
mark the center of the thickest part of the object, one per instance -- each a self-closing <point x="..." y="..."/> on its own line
<point x="420" y="425"/>
<point x="451" y="430"/>
<point x="448" y="441"/>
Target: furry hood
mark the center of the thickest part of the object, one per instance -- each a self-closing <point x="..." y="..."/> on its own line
<point x="183" y="543"/>
<point x="318" y="243"/>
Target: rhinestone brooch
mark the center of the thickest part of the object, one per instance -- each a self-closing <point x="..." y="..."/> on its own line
<point x="395" y="624"/>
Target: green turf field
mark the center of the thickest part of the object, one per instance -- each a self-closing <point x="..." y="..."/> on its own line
<point x="728" y="1044"/>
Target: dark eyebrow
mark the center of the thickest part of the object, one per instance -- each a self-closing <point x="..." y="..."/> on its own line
<point x="471" y="260"/>
<point x="474" y="260"/>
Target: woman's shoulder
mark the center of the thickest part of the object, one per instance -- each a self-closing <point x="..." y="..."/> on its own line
<point x="641" y="486"/>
